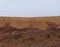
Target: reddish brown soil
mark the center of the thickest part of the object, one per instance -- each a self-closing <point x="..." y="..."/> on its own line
<point x="30" y="32"/>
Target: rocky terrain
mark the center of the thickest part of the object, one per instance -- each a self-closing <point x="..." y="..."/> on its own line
<point x="30" y="32"/>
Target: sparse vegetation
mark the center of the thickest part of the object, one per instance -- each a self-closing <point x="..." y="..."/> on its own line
<point x="31" y="35"/>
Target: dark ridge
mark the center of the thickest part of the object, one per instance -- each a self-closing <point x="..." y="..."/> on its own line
<point x="55" y="30"/>
<point x="32" y="31"/>
<point x="6" y="29"/>
<point x="22" y="31"/>
<point x="13" y="37"/>
<point x="29" y="29"/>
<point x="53" y="33"/>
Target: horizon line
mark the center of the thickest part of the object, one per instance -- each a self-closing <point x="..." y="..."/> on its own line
<point x="29" y="16"/>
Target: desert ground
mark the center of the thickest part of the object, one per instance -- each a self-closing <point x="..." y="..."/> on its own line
<point x="30" y="32"/>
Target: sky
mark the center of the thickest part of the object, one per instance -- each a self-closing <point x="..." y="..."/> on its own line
<point x="29" y="8"/>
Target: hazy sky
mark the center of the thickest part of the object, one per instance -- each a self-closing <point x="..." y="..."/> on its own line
<point x="29" y="7"/>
